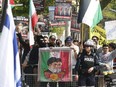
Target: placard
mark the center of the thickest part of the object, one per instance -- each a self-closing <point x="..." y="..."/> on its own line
<point x="110" y="27"/>
<point x="39" y="4"/>
<point x="54" y="64"/>
<point x="63" y="11"/>
<point x="75" y="26"/>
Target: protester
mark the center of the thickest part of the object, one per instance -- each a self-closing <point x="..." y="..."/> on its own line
<point x="52" y="41"/>
<point x="30" y="64"/>
<point x="59" y="43"/>
<point x="97" y="47"/>
<point x="96" y="40"/>
<point x="46" y="41"/>
<point x="25" y="50"/>
<point x="74" y="52"/>
<point x="24" y="43"/>
<point x="103" y="58"/>
<point x="112" y="46"/>
<point x="76" y="42"/>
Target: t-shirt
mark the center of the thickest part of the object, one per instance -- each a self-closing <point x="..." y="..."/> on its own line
<point x="104" y="58"/>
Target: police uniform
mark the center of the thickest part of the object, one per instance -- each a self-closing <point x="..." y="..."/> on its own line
<point x="84" y="62"/>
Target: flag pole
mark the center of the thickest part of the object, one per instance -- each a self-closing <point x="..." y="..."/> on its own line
<point x="89" y="33"/>
<point x="82" y="32"/>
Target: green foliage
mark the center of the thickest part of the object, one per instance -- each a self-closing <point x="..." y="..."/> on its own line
<point x="58" y="30"/>
<point x="24" y="10"/>
<point x="104" y="3"/>
<point x="21" y="10"/>
<point x="47" y="4"/>
<point x="113" y="4"/>
<point x="108" y="13"/>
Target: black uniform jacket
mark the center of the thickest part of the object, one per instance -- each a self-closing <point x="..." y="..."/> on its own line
<point x="84" y="62"/>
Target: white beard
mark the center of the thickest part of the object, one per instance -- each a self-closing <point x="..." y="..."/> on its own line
<point x="52" y="70"/>
<point x="58" y="70"/>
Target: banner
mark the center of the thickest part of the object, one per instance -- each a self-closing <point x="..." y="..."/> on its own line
<point x="63" y="11"/>
<point x="54" y="64"/>
<point x="39" y="4"/>
<point x="58" y="23"/>
<point x="110" y="27"/>
<point x="74" y="24"/>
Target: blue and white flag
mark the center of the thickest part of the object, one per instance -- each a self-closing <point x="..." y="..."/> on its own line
<point x="10" y="75"/>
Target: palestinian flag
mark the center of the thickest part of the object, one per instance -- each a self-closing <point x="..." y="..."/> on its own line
<point x="54" y="65"/>
<point x="90" y="12"/>
<point x="33" y="18"/>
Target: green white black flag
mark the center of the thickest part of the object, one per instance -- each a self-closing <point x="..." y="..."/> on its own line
<point x="90" y="12"/>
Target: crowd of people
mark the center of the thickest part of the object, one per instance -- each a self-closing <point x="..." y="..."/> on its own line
<point x="87" y="58"/>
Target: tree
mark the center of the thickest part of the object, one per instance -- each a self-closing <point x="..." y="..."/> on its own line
<point x="24" y="10"/>
<point x="21" y="10"/>
<point x="104" y="3"/>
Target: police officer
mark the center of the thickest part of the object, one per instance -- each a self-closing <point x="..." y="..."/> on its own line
<point x="86" y="66"/>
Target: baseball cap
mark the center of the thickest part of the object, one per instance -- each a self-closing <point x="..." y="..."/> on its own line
<point x="69" y="39"/>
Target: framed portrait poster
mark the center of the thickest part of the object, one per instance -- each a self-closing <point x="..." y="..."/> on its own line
<point x="39" y="4"/>
<point x="63" y="11"/>
<point x="74" y="24"/>
<point x="54" y="64"/>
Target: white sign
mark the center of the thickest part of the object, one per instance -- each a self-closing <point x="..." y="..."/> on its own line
<point x="110" y="27"/>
